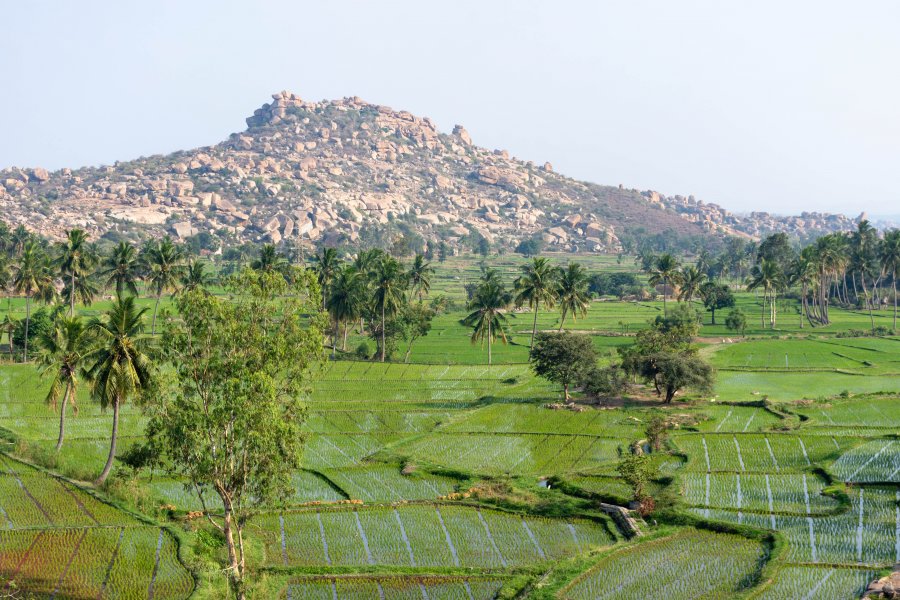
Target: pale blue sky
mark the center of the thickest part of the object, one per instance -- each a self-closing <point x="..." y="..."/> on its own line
<point x="780" y="106"/>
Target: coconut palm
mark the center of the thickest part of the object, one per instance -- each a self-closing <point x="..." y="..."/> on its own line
<point x="119" y="367"/>
<point x="768" y="276"/>
<point x="34" y="279"/>
<point x="326" y="266"/>
<point x="889" y="257"/>
<point x="195" y="276"/>
<point x="121" y="268"/>
<point x="271" y="261"/>
<point x="389" y="282"/>
<point x="163" y="266"/>
<point x="420" y="276"/>
<point x="572" y="291"/>
<point x="346" y="301"/>
<point x="535" y="286"/>
<point x="664" y="270"/>
<point x="76" y="260"/>
<point x="691" y="280"/>
<point x="62" y="349"/>
<point x="488" y="316"/>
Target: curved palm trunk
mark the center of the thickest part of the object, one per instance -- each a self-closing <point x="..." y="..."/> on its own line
<point x="562" y="321"/>
<point x="534" y="324"/>
<point x="155" y="308"/>
<point x="112" y="445"/>
<point x="665" y="294"/>
<point x="27" y="323"/>
<point x="894" y="287"/>
<point x="72" y="295"/>
<point x="382" y="332"/>
<point x="62" y="417"/>
<point x="490" y="338"/>
<point x="334" y="339"/>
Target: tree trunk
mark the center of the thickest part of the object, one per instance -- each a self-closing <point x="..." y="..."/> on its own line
<point x="894" y="287"/>
<point x="344" y="343"/>
<point x="112" y="445"/>
<point x="334" y="339"/>
<point x="27" y="323"/>
<point x="155" y="308"/>
<point x="762" y="313"/>
<point x="670" y="393"/>
<point x="566" y="390"/>
<point x="562" y="321"/>
<point x="62" y="417"/>
<point x="665" y="295"/>
<point x="72" y="295"/>
<point x="489" y="343"/>
<point x="235" y="571"/>
<point x="382" y="332"/>
<point x="534" y="324"/>
<point x="713" y="316"/>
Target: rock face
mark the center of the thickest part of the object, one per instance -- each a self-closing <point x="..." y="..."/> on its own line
<point x="342" y="171"/>
<point x="886" y="588"/>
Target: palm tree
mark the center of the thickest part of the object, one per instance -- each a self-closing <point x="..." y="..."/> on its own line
<point x="271" y="261"/>
<point x="33" y="278"/>
<point x="692" y="279"/>
<point x="389" y="282"/>
<point x="767" y="274"/>
<point x="535" y="286"/>
<point x="665" y="271"/>
<point x="420" y="276"/>
<point x="6" y="277"/>
<point x="488" y="317"/>
<point x="195" y="276"/>
<point x="163" y="263"/>
<point x="119" y="366"/>
<point x="122" y="269"/>
<point x="76" y="261"/>
<point x="326" y="266"/>
<point x="572" y="291"/>
<point x="345" y="301"/>
<point x="889" y="256"/>
<point x="62" y="350"/>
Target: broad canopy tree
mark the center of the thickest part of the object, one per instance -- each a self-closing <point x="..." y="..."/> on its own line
<point x="230" y="419"/>
<point x="562" y="358"/>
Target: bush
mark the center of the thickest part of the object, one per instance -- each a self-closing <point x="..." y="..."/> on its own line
<point x="364" y="351"/>
<point x="603" y="382"/>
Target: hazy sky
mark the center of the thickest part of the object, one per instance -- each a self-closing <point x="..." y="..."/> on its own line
<point x="779" y="106"/>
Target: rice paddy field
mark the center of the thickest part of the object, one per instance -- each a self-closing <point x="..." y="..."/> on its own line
<point x="446" y="478"/>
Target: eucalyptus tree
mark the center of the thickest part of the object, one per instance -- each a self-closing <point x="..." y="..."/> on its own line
<point x="121" y="269"/>
<point x="572" y="292"/>
<point x="119" y="367"/>
<point x="389" y="284"/>
<point x="488" y="313"/>
<point x="535" y="286"/>
<point x="33" y="278"/>
<point x="768" y="276"/>
<point x="420" y="273"/>
<point x="76" y="260"/>
<point x="62" y="350"/>
<point x="164" y="265"/>
<point x="664" y="270"/>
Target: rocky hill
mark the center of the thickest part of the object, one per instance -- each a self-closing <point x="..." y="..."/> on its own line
<point x="341" y="171"/>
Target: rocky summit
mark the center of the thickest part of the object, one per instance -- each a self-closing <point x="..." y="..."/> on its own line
<point x="332" y="172"/>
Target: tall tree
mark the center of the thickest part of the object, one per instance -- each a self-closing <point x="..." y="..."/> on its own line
<point x="33" y="277"/>
<point x="195" y="276"/>
<point x="62" y="349"/>
<point x="163" y="262"/>
<point x="121" y="268"/>
<point x="572" y="291"/>
<point x="488" y="312"/>
<point x="420" y="274"/>
<point x="664" y="270"/>
<point x="346" y="301"/>
<point x="271" y="261"/>
<point x="768" y="276"/>
<point x="326" y="266"/>
<point x="389" y="282"/>
<point x="119" y="366"/>
<point x="535" y="286"/>
<point x="692" y="279"/>
<point x="889" y="256"/>
<point x="232" y="422"/>
<point x="76" y="261"/>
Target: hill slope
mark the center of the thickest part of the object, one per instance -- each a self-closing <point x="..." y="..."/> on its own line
<point x="346" y="171"/>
